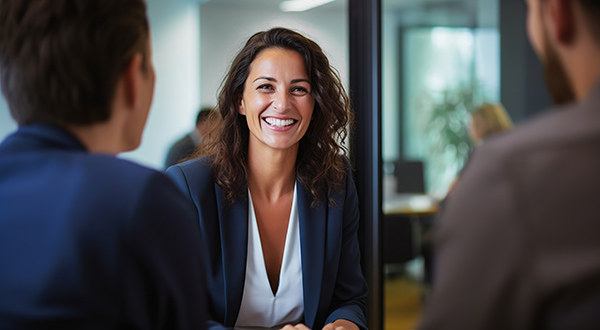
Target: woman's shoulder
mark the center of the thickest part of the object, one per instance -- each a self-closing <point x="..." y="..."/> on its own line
<point x="202" y="164"/>
<point x="344" y="165"/>
<point x="193" y="170"/>
<point x="347" y="164"/>
<point x="345" y="184"/>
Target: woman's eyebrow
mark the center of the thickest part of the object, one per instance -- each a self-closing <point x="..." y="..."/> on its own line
<point x="266" y="78"/>
<point x="300" y="80"/>
<point x="294" y="81"/>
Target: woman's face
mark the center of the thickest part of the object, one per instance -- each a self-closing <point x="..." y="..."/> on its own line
<point x="277" y="99"/>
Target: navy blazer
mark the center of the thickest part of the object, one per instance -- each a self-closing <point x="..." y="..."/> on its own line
<point x="91" y="241"/>
<point x="334" y="286"/>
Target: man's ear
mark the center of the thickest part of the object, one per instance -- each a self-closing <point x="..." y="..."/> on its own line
<point x="131" y="76"/>
<point x="563" y="20"/>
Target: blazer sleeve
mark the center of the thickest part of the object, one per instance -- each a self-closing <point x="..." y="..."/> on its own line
<point x="161" y="275"/>
<point x="350" y="292"/>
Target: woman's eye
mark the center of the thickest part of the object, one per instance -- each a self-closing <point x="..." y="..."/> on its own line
<point x="299" y="90"/>
<point x="265" y="86"/>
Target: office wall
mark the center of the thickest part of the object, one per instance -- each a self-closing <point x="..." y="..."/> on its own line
<point x="175" y="28"/>
<point x="225" y="29"/>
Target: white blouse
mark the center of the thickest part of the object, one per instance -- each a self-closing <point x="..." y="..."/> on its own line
<point x="261" y="309"/>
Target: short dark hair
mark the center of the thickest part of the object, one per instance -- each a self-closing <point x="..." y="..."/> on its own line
<point x="203" y="115"/>
<point x="320" y="163"/>
<point x="60" y="60"/>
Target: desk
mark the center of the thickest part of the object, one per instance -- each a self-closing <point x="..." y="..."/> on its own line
<point x="408" y="219"/>
<point x="411" y="205"/>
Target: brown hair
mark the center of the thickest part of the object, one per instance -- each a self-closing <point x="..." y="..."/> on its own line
<point x="60" y="60"/>
<point x="320" y="163"/>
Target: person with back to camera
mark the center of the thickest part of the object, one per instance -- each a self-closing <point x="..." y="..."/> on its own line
<point x="519" y="243"/>
<point x="275" y="197"/>
<point x="87" y="241"/>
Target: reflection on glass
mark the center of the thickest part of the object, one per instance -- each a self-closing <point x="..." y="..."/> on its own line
<point x="440" y="62"/>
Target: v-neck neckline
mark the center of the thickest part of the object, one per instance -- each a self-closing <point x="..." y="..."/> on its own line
<point x="286" y="246"/>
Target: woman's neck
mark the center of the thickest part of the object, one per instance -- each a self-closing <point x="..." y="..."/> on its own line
<point x="271" y="172"/>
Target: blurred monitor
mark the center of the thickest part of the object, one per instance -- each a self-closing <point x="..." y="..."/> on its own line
<point x="409" y="177"/>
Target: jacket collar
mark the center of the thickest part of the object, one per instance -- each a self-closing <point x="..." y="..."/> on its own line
<point x="234" y="247"/>
<point x="313" y="231"/>
<point x="47" y="134"/>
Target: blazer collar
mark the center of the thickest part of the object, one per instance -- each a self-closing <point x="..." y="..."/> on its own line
<point x="234" y="246"/>
<point x="50" y="135"/>
<point x="313" y="231"/>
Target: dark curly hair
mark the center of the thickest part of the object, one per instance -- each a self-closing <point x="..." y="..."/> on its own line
<point x="320" y="163"/>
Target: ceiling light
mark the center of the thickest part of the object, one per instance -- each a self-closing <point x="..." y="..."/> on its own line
<point x="302" y="5"/>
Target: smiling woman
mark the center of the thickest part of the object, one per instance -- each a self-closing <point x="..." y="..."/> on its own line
<point x="276" y="203"/>
<point x="318" y="163"/>
<point x="277" y="102"/>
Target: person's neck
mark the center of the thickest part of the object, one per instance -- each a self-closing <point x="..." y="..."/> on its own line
<point x="271" y="173"/>
<point x="100" y="138"/>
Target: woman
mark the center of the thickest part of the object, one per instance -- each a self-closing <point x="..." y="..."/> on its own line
<point x="488" y="120"/>
<point x="276" y="203"/>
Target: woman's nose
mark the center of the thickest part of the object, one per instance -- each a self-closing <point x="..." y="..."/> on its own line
<point x="281" y="101"/>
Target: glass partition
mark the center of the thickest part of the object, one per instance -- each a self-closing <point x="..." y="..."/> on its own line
<point x="440" y="61"/>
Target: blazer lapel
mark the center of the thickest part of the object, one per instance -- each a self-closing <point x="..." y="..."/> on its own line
<point x="313" y="230"/>
<point x="233" y="222"/>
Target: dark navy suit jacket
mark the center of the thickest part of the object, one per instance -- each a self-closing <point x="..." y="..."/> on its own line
<point x="334" y="287"/>
<point x="92" y="241"/>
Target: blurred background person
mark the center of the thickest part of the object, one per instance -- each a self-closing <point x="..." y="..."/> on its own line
<point x="486" y="121"/>
<point x="276" y="200"/>
<point x="185" y="146"/>
<point x="489" y="120"/>
<point x="87" y="240"/>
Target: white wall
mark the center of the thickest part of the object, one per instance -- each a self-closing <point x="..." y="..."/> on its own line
<point x="175" y="26"/>
<point x="225" y="29"/>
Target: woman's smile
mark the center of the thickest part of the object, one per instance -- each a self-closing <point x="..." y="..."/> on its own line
<point x="279" y="124"/>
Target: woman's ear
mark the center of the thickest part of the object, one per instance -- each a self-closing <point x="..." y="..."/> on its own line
<point x="241" y="107"/>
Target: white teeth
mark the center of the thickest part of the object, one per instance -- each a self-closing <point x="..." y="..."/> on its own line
<point x="278" y="122"/>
